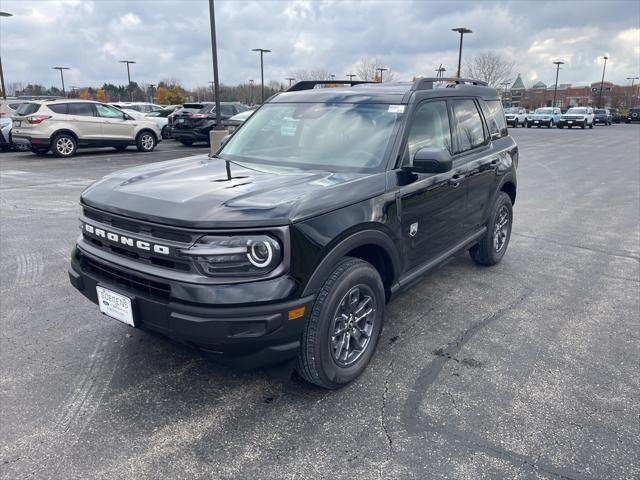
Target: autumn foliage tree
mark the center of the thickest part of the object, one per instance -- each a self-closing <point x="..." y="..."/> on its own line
<point x="102" y="96"/>
<point x="85" y="94"/>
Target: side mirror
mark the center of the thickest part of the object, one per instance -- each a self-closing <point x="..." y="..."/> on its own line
<point x="432" y="160"/>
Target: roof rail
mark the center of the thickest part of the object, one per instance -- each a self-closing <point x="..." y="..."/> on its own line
<point x="311" y="84"/>
<point x="426" y="83"/>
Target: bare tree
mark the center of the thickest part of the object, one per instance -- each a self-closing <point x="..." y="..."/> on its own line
<point x="311" y="74"/>
<point x="367" y="69"/>
<point x="489" y="67"/>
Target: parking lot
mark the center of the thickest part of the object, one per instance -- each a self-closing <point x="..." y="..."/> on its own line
<point x="524" y="370"/>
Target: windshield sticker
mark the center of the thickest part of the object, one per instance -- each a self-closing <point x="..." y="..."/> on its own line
<point x="396" y="109"/>
<point x="288" y="128"/>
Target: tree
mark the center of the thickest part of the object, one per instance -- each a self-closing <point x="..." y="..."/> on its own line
<point x="367" y="69"/>
<point x="489" y="67"/>
<point x="101" y="96"/>
<point x="312" y="74"/>
<point x="174" y="96"/>
<point x="85" y="95"/>
<point x="161" y="95"/>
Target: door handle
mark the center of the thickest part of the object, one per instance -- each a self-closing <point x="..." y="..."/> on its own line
<point x="456" y="180"/>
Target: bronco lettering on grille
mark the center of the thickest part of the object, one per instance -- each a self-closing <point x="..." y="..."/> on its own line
<point x="128" y="241"/>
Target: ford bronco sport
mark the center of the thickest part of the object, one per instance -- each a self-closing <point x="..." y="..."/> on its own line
<point x="320" y="208"/>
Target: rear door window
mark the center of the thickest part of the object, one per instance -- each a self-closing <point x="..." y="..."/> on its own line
<point x="28" y="108"/>
<point x="81" y="109"/>
<point x="468" y="125"/>
<point x="108" y="112"/>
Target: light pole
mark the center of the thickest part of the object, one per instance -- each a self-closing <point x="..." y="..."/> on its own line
<point x="129" y="78"/>
<point x="213" y="90"/>
<point x="291" y="79"/>
<point x="262" y="52"/>
<point x="604" y="67"/>
<point x="462" y="31"/>
<point x="64" y="93"/>
<point x="381" y="70"/>
<point x="4" y="90"/>
<point x="74" y="91"/>
<point x="351" y="75"/>
<point x="557" y="63"/>
<point x="632" y="102"/>
<point x="214" y="57"/>
<point x="251" y="91"/>
<point x="151" y="87"/>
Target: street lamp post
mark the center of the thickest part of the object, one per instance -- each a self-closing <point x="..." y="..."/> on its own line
<point x="351" y="75"/>
<point x="4" y="90"/>
<point x="381" y="70"/>
<point x="151" y="87"/>
<point x="214" y="56"/>
<point x="291" y="79"/>
<point x="604" y="67"/>
<point x="64" y="93"/>
<point x="213" y="90"/>
<point x="557" y="63"/>
<point x="128" y="62"/>
<point x="262" y="52"/>
<point x="632" y="102"/>
<point x="461" y="31"/>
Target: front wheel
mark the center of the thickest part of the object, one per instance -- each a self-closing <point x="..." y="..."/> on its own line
<point x="591" y="125"/>
<point x="145" y="142"/>
<point x="493" y="244"/>
<point x="342" y="332"/>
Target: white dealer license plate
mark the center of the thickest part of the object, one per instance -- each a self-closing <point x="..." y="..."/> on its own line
<point x="569" y="121"/>
<point x="536" y="121"/>
<point x="17" y="123"/>
<point x="115" y="305"/>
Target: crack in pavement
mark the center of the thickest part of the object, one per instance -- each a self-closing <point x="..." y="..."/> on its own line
<point x="383" y="422"/>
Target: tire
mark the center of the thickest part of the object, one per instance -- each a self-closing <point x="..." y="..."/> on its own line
<point x="488" y="251"/>
<point x="186" y="143"/>
<point x="560" y="125"/>
<point x="121" y="148"/>
<point x="354" y="285"/>
<point x="146" y="141"/>
<point x="538" y="125"/>
<point x="528" y="125"/>
<point x="23" y="148"/>
<point x="584" y="125"/>
<point x="164" y="132"/>
<point x="591" y="125"/>
<point x="64" y="145"/>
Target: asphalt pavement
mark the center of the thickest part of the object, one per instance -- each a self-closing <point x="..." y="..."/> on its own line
<point x="528" y="369"/>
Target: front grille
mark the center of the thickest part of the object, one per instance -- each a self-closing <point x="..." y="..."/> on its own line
<point x="127" y="280"/>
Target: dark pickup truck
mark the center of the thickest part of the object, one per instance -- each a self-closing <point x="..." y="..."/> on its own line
<point x="287" y="244"/>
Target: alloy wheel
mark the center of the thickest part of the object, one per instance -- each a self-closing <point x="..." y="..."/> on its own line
<point x="501" y="229"/>
<point x="64" y="146"/>
<point x="147" y="141"/>
<point x="352" y="325"/>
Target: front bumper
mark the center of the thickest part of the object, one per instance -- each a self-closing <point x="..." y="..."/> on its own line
<point x="540" y="121"/>
<point x="247" y="335"/>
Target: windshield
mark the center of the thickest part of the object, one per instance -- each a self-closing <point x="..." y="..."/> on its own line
<point x="581" y="111"/>
<point x="545" y="111"/>
<point x="511" y="110"/>
<point x="600" y="111"/>
<point x="340" y="137"/>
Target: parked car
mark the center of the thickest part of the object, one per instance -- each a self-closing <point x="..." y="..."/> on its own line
<point x="289" y="242"/>
<point x="548" y="116"/>
<point x="161" y="118"/>
<point x="577" y="117"/>
<point x="616" y="115"/>
<point x="142" y="107"/>
<point x="603" y="116"/>
<point x="5" y="133"/>
<point x="63" y="126"/>
<point x="194" y="121"/>
<point x="633" y="115"/>
<point x="234" y="122"/>
<point x="8" y="107"/>
<point x="516" y="116"/>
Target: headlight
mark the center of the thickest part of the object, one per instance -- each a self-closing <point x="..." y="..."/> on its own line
<point x="241" y="255"/>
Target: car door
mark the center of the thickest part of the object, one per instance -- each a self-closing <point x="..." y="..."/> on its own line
<point x="86" y="124"/>
<point x="115" y="127"/>
<point x="477" y="156"/>
<point x="432" y="205"/>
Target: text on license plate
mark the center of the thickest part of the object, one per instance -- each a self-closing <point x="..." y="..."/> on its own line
<point x="115" y="305"/>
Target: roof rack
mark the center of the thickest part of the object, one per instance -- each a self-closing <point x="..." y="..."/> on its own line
<point x="426" y="83"/>
<point x="311" y="84"/>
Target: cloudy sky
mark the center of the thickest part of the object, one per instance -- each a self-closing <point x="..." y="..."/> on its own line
<point x="171" y="38"/>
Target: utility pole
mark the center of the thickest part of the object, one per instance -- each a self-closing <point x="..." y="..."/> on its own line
<point x="351" y="75"/>
<point x="251" y="91"/>
<point x="151" y="87"/>
<point x="128" y="62"/>
<point x="631" y="101"/>
<point x="4" y="90"/>
<point x="64" y="93"/>
<point x="462" y="31"/>
<point x="557" y="63"/>
<point x="214" y="55"/>
<point x="262" y="52"/>
<point x="604" y="67"/>
<point x="381" y="70"/>
<point x="440" y="71"/>
<point x="291" y="79"/>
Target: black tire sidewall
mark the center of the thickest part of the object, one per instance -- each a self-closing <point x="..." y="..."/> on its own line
<point x="330" y="373"/>
<point x="501" y="199"/>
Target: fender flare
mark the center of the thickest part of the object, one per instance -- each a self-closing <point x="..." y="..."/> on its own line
<point x="357" y="239"/>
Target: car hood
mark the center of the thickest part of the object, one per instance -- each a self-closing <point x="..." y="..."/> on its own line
<point x="203" y="192"/>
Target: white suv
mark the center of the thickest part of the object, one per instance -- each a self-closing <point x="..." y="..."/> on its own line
<point x="582" y="117"/>
<point x="63" y="126"/>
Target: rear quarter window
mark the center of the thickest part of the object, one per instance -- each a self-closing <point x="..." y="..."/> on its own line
<point x="493" y="113"/>
<point x="60" y="108"/>
<point x="28" y="108"/>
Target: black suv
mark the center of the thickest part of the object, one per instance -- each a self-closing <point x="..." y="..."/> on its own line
<point x="633" y="115"/>
<point x="193" y="122"/>
<point x="288" y="243"/>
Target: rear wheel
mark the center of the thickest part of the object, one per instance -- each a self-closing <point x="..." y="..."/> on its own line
<point x="64" y="145"/>
<point x="165" y="132"/>
<point x="145" y="141"/>
<point x="39" y="150"/>
<point x="493" y="244"/>
<point x="342" y="332"/>
<point x="186" y="143"/>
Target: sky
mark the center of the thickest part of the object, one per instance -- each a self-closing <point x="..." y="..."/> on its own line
<point x="171" y="39"/>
